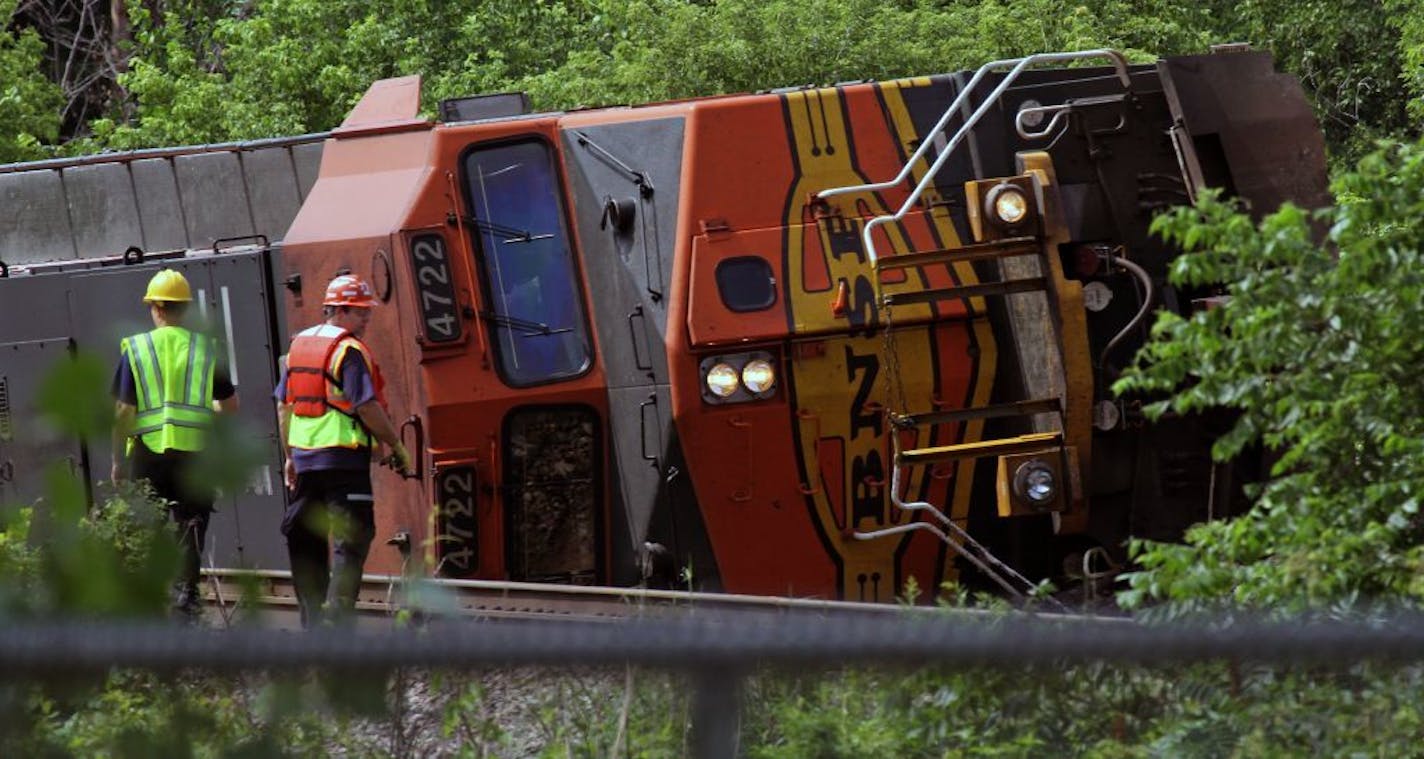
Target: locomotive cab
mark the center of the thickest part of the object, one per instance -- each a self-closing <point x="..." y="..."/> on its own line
<point x="485" y="336"/>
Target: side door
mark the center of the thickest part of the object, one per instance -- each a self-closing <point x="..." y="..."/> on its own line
<point x="246" y="529"/>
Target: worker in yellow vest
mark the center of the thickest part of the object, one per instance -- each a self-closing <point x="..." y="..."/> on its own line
<point x="332" y="413"/>
<point x="166" y="387"/>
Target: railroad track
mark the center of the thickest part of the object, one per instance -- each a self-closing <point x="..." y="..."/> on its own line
<point x="384" y="596"/>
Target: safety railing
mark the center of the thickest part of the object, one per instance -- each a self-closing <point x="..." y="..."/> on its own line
<point x="957" y="538"/>
<point x="1018" y="65"/>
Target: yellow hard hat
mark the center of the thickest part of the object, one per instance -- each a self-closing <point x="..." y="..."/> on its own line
<point x="168" y="285"/>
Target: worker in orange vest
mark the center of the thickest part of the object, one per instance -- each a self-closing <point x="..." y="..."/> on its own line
<point x="332" y="413"/>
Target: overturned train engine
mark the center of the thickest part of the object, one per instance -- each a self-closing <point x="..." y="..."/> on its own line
<point x="813" y="341"/>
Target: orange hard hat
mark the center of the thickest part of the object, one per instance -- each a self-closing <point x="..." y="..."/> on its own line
<point x="349" y="290"/>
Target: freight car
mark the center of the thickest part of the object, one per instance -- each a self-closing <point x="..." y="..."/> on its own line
<point x="813" y="341"/>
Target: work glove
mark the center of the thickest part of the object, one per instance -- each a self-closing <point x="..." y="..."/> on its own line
<point x="400" y="460"/>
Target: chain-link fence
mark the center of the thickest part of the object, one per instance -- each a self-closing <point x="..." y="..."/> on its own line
<point x="714" y="654"/>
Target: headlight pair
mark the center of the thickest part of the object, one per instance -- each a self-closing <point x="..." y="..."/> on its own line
<point x="738" y="378"/>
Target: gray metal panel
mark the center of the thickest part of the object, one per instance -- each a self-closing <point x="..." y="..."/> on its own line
<point x="160" y="213"/>
<point x="639" y="482"/>
<point x="215" y="203"/>
<point x="21" y="298"/>
<point x="629" y="272"/>
<point x="307" y="159"/>
<point x="247" y="528"/>
<point x="654" y="499"/>
<point x="35" y="223"/>
<point x="273" y="190"/>
<point x="102" y="209"/>
<point x="27" y="448"/>
<point x="1234" y="99"/>
<point x="277" y="274"/>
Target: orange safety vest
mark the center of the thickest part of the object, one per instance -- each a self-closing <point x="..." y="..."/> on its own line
<point x="314" y="389"/>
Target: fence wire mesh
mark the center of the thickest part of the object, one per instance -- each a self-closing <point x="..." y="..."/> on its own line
<point x="722" y="660"/>
<point x="705" y="641"/>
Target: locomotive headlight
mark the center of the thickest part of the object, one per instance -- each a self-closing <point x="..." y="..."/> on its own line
<point x="1036" y="483"/>
<point x="722" y="380"/>
<point x="758" y="376"/>
<point x="746" y="377"/>
<point x="1008" y="204"/>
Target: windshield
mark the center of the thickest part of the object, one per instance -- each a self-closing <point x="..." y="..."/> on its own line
<point x="535" y="312"/>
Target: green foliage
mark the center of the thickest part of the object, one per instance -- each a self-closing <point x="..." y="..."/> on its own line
<point x="68" y="561"/>
<point x="1317" y="349"/>
<point x="1316" y="352"/>
<point x="293" y="66"/>
<point x="588" y="713"/>
<point x="744" y="45"/>
<point x="1087" y="710"/>
<point x="140" y="715"/>
<point x="234" y="450"/>
<point x="466" y="719"/>
<point x="214" y="71"/>
<point x="73" y="399"/>
<point x="217" y="70"/>
<point x="29" y="102"/>
<point x="19" y="560"/>
<point x="1408" y="17"/>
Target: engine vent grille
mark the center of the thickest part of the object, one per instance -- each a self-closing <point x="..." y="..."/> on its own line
<point x="6" y="432"/>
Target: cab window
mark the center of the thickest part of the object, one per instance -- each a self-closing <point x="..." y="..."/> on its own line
<point x="535" y="311"/>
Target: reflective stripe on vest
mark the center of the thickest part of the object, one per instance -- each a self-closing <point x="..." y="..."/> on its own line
<point x="334" y="428"/>
<point x="173" y="372"/>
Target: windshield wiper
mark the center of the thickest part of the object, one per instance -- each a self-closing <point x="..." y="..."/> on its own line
<point x="529" y="327"/>
<point x="511" y="234"/>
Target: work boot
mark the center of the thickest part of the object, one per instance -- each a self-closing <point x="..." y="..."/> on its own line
<point x="187" y="605"/>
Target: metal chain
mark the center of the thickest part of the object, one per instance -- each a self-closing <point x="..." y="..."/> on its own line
<point x="895" y="396"/>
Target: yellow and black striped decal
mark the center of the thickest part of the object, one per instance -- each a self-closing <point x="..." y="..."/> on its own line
<point x="843" y="370"/>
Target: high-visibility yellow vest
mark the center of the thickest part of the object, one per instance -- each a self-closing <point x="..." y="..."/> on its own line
<point x="173" y="372"/>
<point x="323" y="416"/>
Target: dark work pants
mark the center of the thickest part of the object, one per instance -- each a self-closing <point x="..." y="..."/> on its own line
<point x="335" y="503"/>
<point x="190" y="505"/>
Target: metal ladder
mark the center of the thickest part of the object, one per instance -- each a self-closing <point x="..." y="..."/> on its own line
<point x="941" y="525"/>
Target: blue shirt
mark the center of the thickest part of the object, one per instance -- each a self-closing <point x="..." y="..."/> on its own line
<point x="357" y="385"/>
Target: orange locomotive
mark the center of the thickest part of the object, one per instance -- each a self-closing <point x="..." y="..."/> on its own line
<point x="813" y="342"/>
<point x="729" y="340"/>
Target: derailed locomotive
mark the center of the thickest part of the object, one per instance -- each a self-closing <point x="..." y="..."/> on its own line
<point x="814" y="341"/>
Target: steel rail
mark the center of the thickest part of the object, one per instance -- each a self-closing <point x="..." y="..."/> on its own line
<point x="386" y="595"/>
